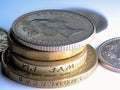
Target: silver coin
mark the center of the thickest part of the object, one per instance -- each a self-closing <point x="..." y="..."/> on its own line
<point x="53" y="30"/>
<point x="3" y="39"/>
<point x="109" y="54"/>
<point x="98" y="19"/>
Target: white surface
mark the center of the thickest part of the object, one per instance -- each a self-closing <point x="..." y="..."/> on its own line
<point x="102" y="78"/>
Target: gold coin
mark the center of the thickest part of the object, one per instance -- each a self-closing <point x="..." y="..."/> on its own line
<point x="50" y="68"/>
<point x="50" y="81"/>
<point x="30" y="53"/>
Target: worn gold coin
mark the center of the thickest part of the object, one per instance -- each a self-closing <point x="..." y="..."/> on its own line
<point x="52" y="67"/>
<point x="50" y="81"/>
<point x="30" y="53"/>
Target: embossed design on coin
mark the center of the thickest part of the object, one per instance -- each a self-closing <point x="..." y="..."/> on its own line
<point x="50" y="68"/>
<point x="50" y="27"/>
<point x="3" y="39"/>
<point x="53" y="30"/>
<point x="109" y="54"/>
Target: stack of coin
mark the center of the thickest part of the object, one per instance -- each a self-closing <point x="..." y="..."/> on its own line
<point x="48" y="49"/>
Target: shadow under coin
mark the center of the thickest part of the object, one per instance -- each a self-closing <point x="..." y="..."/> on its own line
<point x="97" y="18"/>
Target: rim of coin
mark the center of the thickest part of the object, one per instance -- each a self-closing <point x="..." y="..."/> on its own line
<point x="98" y="19"/>
<point x="30" y="53"/>
<point x="65" y="30"/>
<point x="50" y="68"/>
<point x="51" y="82"/>
<point x="3" y="39"/>
<point x="108" y="53"/>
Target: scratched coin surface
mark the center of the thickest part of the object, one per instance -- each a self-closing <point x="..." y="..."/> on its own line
<point x="109" y="54"/>
<point x="3" y="40"/>
<point x="50" y="81"/>
<point x="98" y="19"/>
<point x="53" y="30"/>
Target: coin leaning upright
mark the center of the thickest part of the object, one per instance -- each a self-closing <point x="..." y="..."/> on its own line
<point x="53" y="30"/>
<point x="109" y="54"/>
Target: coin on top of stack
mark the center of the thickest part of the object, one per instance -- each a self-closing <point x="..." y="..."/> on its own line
<point x="26" y="78"/>
<point x="53" y="30"/>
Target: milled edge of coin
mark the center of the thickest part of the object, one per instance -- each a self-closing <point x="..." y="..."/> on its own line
<point x="3" y="30"/>
<point x="55" y="48"/>
<point x="29" y="53"/>
<point x="106" y="64"/>
<point x="50" y="68"/>
<point x="52" y="82"/>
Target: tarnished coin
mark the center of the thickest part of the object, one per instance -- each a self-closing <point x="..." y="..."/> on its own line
<point x="53" y="30"/>
<point x="30" y="53"/>
<point x="3" y="40"/>
<point x="50" y="81"/>
<point x="109" y="54"/>
<point x="98" y="19"/>
<point x="50" y="67"/>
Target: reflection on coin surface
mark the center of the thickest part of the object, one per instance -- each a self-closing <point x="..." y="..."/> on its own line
<point x="47" y="81"/>
<point x="98" y="19"/>
<point x="53" y="30"/>
<point x="3" y="40"/>
<point x="109" y="54"/>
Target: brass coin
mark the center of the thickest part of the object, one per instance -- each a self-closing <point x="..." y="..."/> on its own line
<point x="30" y="53"/>
<point x="50" y="81"/>
<point x="50" y="68"/>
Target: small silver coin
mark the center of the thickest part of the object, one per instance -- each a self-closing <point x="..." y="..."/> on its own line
<point x="109" y="54"/>
<point x="3" y="39"/>
<point x="98" y="19"/>
<point x="53" y="30"/>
